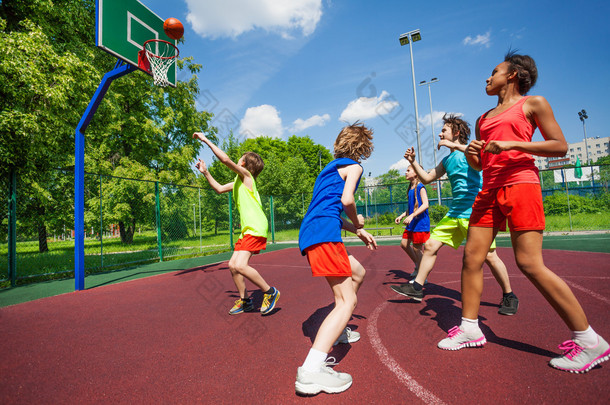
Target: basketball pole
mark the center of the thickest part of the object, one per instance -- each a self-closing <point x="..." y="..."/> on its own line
<point x="120" y="69"/>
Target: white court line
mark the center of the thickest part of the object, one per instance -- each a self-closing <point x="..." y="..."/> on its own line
<point x="393" y="365"/>
<point x="587" y="291"/>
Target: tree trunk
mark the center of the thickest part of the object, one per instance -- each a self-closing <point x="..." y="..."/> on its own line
<point x="127" y="233"/>
<point x="42" y="238"/>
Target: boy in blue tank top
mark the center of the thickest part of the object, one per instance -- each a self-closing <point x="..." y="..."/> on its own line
<point x="320" y="240"/>
<point x="453" y="228"/>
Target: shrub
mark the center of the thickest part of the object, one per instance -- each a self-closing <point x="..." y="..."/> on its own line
<point x="437" y="212"/>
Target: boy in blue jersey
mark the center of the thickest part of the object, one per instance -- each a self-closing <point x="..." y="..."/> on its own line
<point x="453" y="228"/>
<point x="320" y="240"/>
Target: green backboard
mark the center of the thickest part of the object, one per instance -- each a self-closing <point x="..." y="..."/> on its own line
<point x="122" y="27"/>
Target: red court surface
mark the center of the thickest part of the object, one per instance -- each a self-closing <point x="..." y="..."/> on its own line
<point x="169" y="338"/>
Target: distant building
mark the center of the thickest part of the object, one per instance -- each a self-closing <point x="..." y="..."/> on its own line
<point x="597" y="148"/>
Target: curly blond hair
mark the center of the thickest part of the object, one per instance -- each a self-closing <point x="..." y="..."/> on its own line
<point x="355" y="142"/>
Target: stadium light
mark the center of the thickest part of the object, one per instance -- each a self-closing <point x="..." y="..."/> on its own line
<point x="582" y="114"/>
<point x="409" y="38"/>
<point x="438" y="183"/>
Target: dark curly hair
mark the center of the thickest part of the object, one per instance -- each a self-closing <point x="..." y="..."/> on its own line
<point x="459" y="126"/>
<point x="527" y="72"/>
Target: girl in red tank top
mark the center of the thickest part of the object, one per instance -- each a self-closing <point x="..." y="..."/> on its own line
<point x="511" y="192"/>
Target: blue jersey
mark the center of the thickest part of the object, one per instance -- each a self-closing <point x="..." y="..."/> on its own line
<point x="420" y="223"/>
<point x="322" y="223"/>
<point x="465" y="184"/>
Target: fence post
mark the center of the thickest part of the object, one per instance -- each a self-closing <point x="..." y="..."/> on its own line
<point x="12" y="227"/>
<point x="158" y="212"/>
<point x="101" y="227"/>
<point x="230" y="219"/>
<point x="200" y="245"/>
<point x="565" y="176"/>
<point x="272" y="219"/>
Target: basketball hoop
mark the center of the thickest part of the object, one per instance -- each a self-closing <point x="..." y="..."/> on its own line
<point x="156" y="57"/>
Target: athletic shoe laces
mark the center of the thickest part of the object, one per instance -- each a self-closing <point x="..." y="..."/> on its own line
<point x="453" y="332"/>
<point x="570" y="349"/>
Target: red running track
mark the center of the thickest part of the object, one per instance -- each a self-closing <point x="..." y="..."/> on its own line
<point x="169" y="338"/>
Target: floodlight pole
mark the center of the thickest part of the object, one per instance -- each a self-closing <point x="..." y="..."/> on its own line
<point x="409" y="38"/>
<point x="438" y="183"/>
<point x="582" y="114"/>
<point x="120" y="69"/>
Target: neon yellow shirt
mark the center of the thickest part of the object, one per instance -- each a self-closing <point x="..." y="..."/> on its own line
<point x="253" y="218"/>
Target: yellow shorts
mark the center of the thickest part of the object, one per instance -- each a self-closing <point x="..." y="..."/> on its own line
<point x="453" y="231"/>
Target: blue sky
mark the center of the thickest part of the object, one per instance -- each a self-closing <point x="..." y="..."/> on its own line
<point x="279" y="68"/>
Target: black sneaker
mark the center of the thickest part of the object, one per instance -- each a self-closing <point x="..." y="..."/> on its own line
<point x="509" y="305"/>
<point x="409" y="291"/>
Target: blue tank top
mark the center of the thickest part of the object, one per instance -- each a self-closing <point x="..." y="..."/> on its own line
<point x="322" y="222"/>
<point x="420" y="223"/>
<point x="465" y="184"/>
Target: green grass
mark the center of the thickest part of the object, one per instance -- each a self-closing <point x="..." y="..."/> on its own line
<point x="58" y="262"/>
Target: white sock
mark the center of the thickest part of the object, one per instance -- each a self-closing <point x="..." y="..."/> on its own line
<point x="314" y="360"/>
<point x="469" y="325"/>
<point x="586" y="338"/>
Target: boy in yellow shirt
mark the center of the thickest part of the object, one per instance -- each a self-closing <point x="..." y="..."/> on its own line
<point x="254" y="225"/>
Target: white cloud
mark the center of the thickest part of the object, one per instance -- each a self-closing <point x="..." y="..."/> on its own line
<point x="263" y="120"/>
<point x="438" y="120"/>
<point x="483" y="40"/>
<point x="368" y="107"/>
<point x="314" y="121"/>
<point x="401" y="165"/>
<point x="231" y="18"/>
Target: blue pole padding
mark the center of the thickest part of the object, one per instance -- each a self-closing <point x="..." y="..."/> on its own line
<point x="120" y="69"/>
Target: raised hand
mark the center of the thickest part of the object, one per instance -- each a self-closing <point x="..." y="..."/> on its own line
<point x="200" y="136"/>
<point x="201" y="166"/>
<point x="410" y="155"/>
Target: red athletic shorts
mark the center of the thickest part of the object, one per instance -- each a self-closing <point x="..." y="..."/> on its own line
<point x="251" y="243"/>
<point x="329" y="259"/>
<point x="416" y="237"/>
<point x="520" y="204"/>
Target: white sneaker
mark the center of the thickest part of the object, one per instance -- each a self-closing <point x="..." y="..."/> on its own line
<point x="348" y="336"/>
<point x="578" y="359"/>
<point x="326" y="379"/>
<point x="459" y="339"/>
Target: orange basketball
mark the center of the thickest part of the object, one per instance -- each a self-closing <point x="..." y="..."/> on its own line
<point x="173" y="28"/>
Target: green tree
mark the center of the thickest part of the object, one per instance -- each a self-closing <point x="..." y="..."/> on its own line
<point x="42" y="100"/>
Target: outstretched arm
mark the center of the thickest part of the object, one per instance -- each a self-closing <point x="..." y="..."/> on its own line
<point x="225" y="159"/>
<point x="216" y="186"/>
<point x="424" y="177"/>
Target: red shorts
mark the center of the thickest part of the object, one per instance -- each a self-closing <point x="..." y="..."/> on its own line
<point x="520" y="204"/>
<point x="416" y="237"/>
<point x="251" y="243"/>
<point x="329" y="259"/>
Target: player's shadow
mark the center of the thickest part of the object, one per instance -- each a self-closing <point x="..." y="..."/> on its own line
<point x="398" y="275"/>
<point x="311" y="325"/>
<point x="208" y="268"/>
<point x="448" y="314"/>
<point x="436" y="289"/>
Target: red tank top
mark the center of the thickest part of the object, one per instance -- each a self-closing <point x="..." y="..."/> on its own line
<point x="508" y="167"/>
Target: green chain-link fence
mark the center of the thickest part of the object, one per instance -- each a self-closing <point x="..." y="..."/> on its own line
<point x="129" y="222"/>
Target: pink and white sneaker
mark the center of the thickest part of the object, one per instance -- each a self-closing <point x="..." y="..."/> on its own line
<point x="459" y="339"/>
<point x="579" y="359"/>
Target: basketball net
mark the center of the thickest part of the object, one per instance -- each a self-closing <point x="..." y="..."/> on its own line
<point x="160" y="54"/>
